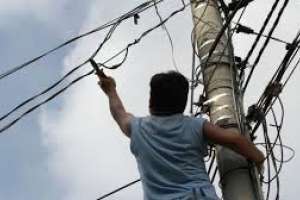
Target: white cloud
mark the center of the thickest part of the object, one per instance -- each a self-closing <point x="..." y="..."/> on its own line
<point x="89" y="156"/>
<point x="23" y="6"/>
<point x="86" y="147"/>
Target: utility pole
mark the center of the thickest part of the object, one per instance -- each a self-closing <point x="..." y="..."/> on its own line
<point x="239" y="179"/>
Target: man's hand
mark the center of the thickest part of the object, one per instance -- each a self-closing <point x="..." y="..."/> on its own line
<point x="107" y="83"/>
<point x="235" y="141"/>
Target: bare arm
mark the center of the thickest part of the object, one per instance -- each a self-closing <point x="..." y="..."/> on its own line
<point x="235" y="141"/>
<point x="116" y="107"/>
<point x="119" y="113"/>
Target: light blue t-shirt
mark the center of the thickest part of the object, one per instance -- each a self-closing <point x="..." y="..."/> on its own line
<point x="169" y="151"/>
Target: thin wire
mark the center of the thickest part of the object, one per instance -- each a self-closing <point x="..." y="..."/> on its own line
<point x="119" y="189"/>
<point x="273" y="38"/>
<point x="291" y="73"/>
<point x="164" y="27"/>
<point x="252" y="32"/>
<point x="265" y="44"/>
<point x="226" y="25"/>
<point x="221" y="32"/>
<point x="136" y="41"/>
<point x="267" y="99"/>
<point x="141" y="8"/>
<point x="268" y="18"/>
<point x="109" y="34"/>
<point x="263" y="97"/>
<point x="7" y="126"/>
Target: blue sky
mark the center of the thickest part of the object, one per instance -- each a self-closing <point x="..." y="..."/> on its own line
<point x="71" y="149"/>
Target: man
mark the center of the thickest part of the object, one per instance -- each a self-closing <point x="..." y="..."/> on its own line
<point x="168" y="146"/>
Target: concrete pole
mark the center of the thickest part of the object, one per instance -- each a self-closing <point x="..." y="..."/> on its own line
<point x="237" y="181"/>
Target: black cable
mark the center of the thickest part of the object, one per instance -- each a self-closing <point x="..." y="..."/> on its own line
<point x="141" y="8"/>
<point x="192" y="84"/>
<point x="214" y="174"/>
<point x="221" y="32"/>
<point x="136" y="41"/>
<point x="269" y="150"/>
<point x="164" y="27"/>
<point x="270" y="155"/>
<point x="119" y="189"/>
<point x="267" y="99"/>
<point x="288" y="58"/>
<point x="226" y="25"/>
<point x="265" y="44"/>
<point x="212" y="158"/>
<point x="291" y="73"/>
<point x="44" y="101"/>
<point x="268" y="18"/>
<point x="268" y="160"/>
<point x="114" y="25"/>
<point x="271" y="145"/>
<point x="247" y="30"/>
<point x="63" y="78"/>
<point x="288" y="78"/>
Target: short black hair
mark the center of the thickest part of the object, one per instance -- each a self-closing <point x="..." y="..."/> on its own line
<point x="168" y="93"/>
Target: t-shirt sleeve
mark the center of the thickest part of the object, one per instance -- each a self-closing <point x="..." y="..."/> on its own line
<point x="134" y="123"/>
<point x="198" y="129"/>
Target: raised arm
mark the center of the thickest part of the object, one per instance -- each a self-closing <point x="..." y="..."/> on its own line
<point x="117" y="110"/>
<point x="235" y="141"/>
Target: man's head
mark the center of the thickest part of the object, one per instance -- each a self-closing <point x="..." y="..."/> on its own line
<point x="168" y="93"/>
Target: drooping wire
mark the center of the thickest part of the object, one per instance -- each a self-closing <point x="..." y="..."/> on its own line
<point x="141" y="8"/>
<point x="268" y="18"/>
<point x="136" y="41"/>
<point x="275" y="24"/>
<point x="164" y="27"/>
<point x="109" y="34"/>
<point x="7" y="126"/>
<point x="267" y="99"/>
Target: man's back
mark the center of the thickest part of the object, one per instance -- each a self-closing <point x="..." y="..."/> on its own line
<point x="169" y="151"/>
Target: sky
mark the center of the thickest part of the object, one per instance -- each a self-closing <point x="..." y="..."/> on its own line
<point x="70" y="149"/>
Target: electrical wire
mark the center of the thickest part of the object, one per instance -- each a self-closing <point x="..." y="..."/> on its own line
<point x="269" y="146"/>
<point x="62" y="79"/>
<point x="53" y="86"/>
<point x="221" y="32"/>
<point x="291" y="73"/>
<point x="268" y="18"/>
<point x="273" y="160"/>
<point x="247" y="30"/>
<point x="275" y="24"/>
<point x="267" y="99"/>
<point x="164" y="27"/>
<point x="119" y="189"/>
<point x="211" y="158"/>
<point x="141" y="8"/>
<point x="136" y="41"/>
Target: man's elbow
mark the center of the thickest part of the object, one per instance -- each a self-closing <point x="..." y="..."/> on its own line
<point x="124" y="123"/>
